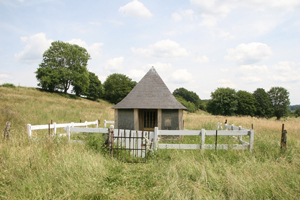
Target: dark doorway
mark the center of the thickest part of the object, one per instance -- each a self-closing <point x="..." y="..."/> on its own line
<point x="147" y="120"/>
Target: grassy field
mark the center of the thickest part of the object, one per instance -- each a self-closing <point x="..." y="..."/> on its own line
<point x="52" y="168"/>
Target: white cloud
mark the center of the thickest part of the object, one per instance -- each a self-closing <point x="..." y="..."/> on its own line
<point x="206" y="91"/>
<point x="284" y="66"/>
<point x="35" y="46"/>
<point x="181" y="76"/>
<point x="226" y="83"/>
<point x="282" y="78"/>
<point x="212" y="10"/>
<point x="201" y="59"/>
<point x="251" y="79"/>
<point x="94" y="50"/>
<point x="116" y="22"/>
<point x="159" y="66"/>
<point x="286" y="71"/>
<point x="249" y="53"/>
<point x="208" y="20"/>
<point x="136" y="74"/>
<point x="115" y="64"/>
<point x="226" y="35"/>
<point x="188" y="14"/>
<point x="224" y="7"/>
<point x="4" y="76"/>
<point x="162" y="49"/>
<point x="256" y="69"/>
<point x="95" y="23"/>
<point x="176" y="17"/>
<point x="135" y="9"/>
<point x="214" y="7"/>
<point x="224" y="70"/>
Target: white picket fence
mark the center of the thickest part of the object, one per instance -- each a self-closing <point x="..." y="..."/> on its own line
<point x="151" y="138"/>
<point x="54" y="126"/>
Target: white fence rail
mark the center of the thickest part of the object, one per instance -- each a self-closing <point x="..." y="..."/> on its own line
<point x="54" y="126"/>
<point x="152" y="137"/>
<point x="234" y="131"/>
<point x="108" y="122"/>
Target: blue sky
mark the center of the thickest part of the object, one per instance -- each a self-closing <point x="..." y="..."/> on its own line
<point x="199" y="45"/>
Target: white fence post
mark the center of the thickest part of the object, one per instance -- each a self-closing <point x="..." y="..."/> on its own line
<point x="155" y="141"/>
<point x="105" y="123"/>
<point x="240" y="137"/>
<point x="69" y="132"/>
<point x="86" y="125"/>
<point x="54" y="128"/>
<point x="29" y="130"/>
<point x="72" y="124"/>
<point x="202" y="140"/>
<point x="251" y="141"/>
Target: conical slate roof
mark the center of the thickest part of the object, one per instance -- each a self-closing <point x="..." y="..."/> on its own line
<point x="150" y="93"/>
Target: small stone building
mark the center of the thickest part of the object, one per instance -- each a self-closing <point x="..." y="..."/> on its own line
<point x="150" y="104"/>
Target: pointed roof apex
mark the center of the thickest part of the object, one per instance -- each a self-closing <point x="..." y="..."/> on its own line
<point x="150" y="93"/>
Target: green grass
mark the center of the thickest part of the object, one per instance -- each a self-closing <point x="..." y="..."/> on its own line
<point x="52" y="168"/>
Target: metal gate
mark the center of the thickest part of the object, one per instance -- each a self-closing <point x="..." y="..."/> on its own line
<point x="130" y="145"/>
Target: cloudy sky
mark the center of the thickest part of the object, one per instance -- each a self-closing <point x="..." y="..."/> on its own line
<point x="198" y="44"/>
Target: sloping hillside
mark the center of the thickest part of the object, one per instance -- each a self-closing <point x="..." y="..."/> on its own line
<point x="23" y="106"/>
<point x="52" y="168"/>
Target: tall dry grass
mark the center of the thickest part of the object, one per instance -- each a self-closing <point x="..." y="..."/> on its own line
<point x="52" y="168"/>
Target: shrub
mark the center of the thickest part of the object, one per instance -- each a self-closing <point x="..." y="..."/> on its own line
<point x="9" y="85"/>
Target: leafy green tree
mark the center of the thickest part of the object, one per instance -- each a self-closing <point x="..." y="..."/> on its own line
<point x="280" y="100"/>
<point x="297" y="112"/>
<point x="263" y="104"/>
<point x="189" y="96"/>
<point x="64" y="65"/>
<point x="189" y="105"/>
<point x="224" y="101"/>
<point x="117" y="86"/>
<point x="95" y="90"/>
<point x="246" y="103"/>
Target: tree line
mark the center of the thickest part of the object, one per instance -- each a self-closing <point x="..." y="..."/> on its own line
<point x="228" y="101"/>
<point x="65" y="65"/>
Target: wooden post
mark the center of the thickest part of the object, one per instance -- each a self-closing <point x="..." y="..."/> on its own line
<point x="283" y="138"/>
<point x="49" y="129"/>
<point x="6" y="131"/>
<point x="51" y="123"/>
